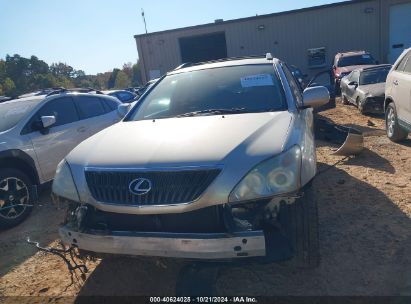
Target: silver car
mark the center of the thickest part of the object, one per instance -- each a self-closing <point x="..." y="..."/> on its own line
<point x="398" y="99"/>
<point x="36" y="133"/>
<point x="214" y="162"/>
<point x="365" y="88"/>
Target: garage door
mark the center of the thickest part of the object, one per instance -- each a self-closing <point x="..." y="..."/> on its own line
<point x="400" y="30"/>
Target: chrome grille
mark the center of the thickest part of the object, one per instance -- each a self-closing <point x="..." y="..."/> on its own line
<point x="168" y="187"/>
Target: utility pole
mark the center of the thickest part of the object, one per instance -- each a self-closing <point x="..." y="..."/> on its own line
<point x="144" y="19"/>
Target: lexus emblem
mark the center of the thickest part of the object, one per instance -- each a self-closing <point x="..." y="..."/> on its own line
<point x="140" y="186"/>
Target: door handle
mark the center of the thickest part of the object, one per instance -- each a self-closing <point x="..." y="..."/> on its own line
<point x="396" y="82"/>
<point x="81" y="129"/>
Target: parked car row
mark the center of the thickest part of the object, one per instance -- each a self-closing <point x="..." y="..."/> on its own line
<point x="377" y="88"/>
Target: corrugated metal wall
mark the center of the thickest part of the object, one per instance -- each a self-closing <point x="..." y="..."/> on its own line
<point x="353" y="26"/>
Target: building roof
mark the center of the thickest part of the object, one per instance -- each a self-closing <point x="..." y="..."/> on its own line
<point x="256" y="17"/>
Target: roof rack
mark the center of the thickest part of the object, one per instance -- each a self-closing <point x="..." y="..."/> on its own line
<point x="190" y="64"/>
<point x="75" y="90"/>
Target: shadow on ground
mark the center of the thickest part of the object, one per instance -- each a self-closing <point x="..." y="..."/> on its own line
<point x="365" y="245"/>
<point x="41" y="226"/>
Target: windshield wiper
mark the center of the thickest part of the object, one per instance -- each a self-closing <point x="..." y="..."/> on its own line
<point x="214" y="112"/>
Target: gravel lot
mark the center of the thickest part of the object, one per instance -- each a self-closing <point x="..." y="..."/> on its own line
<point x="365" y="234"/>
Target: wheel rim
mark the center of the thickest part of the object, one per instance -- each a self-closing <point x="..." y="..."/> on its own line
<point x="14" y="197"/>
<point x="390" y="122"/>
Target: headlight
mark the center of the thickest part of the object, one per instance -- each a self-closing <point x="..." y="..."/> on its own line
<point x="63" y="184"/>
<point x="277" y="175"/>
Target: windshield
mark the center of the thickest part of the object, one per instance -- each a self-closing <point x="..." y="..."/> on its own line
<point x="226" y="90"/>
<point x="374" y="76"/>
<point x="364" y="59"/>
<point x="12" y="112"/>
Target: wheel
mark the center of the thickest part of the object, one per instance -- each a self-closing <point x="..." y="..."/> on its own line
<point x="301" y="225"/>
<point x="360" y="106"/>
<point x="15" y="197"/>
<point x="394" y="132"/>
<point x="344" y="99"/>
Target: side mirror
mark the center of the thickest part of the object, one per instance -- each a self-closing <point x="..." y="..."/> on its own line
<point x="122" y="109"/>
<point x="48" y="121"/>
<point x="314" y="97"/>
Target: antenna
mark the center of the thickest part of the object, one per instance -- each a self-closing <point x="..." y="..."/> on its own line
<point x="144" y="19"/>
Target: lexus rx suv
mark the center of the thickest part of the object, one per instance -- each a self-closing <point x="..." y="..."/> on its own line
<point x="214" y="162"/>
<point x="398" y="99"/>
<point x="36" y="133"/>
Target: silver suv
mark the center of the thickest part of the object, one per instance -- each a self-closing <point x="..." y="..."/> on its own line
<point x="398" y="98"/>
<point x="36" y="133"/>
<point x="214" y="162"/>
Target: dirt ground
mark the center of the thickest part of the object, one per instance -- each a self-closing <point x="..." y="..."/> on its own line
<point x="365" y="235"/>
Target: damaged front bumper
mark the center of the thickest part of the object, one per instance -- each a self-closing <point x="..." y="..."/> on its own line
<point x="224" y="232"/>
<point x="175" y="245"/>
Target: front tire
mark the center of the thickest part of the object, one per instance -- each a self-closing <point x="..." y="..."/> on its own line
<point x="15" y="197"/>
<point x="394" y="131"/>
<point x="301" y="223"/>
<point x="360" y="106"/>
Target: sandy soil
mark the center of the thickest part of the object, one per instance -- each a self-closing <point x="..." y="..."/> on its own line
<point x="365" y="234"/>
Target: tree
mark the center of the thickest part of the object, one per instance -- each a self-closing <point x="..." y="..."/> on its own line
<point x="112" y="80"/>
<point x="61" y="69"/>
<point x="122" y="81"/>
<point x="9" y="87"/>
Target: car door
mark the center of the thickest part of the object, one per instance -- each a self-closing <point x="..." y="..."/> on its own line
<point x="95" y="113"/>
<point x="350" y="91"/>
<point x="399" y="83"/>
<point x="325" y="79"/>
<point x="403" y="97"/>
<point x="53" y="144"/>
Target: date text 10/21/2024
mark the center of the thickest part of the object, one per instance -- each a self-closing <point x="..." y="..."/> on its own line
<point x="203" y="300"/>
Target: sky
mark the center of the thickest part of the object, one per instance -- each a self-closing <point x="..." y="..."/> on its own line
<point x="97" y="35"/>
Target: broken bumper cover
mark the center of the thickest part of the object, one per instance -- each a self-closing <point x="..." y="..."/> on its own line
<point x="175" y="245"/>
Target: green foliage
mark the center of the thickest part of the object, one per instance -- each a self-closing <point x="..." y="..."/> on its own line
<point x="122" y="80"/>
<point x="19" y="75"/>
<point x="9" y="87"/>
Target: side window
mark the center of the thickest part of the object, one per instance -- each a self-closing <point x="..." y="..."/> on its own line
<point x="110" y="105"/>
<point x="89" y="106"/>
<point x="400" y="67"/>
<point x="62" y="108"/>
<point x="407" y="68"/>
<point x="356" y="76"/>
<point x="295" y="88"/>
<point x="322" y="79"/>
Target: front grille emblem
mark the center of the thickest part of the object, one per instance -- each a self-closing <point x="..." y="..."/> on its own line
<point x="140" y="186"/>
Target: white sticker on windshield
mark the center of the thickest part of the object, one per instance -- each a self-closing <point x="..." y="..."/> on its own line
<point x="257" y="81"/>
<point x="366" y="56"/>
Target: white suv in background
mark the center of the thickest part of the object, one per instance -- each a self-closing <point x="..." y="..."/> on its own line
<point x="398" y="98"/>
<point x="36" y="133"/>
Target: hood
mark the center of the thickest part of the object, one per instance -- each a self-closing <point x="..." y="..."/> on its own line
<point x="349" y="69"/>
<point x="190" y="141"/>
<point x="376" y="89"/>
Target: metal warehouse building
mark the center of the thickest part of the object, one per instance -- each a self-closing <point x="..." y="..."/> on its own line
<point x="308" y="38"/>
